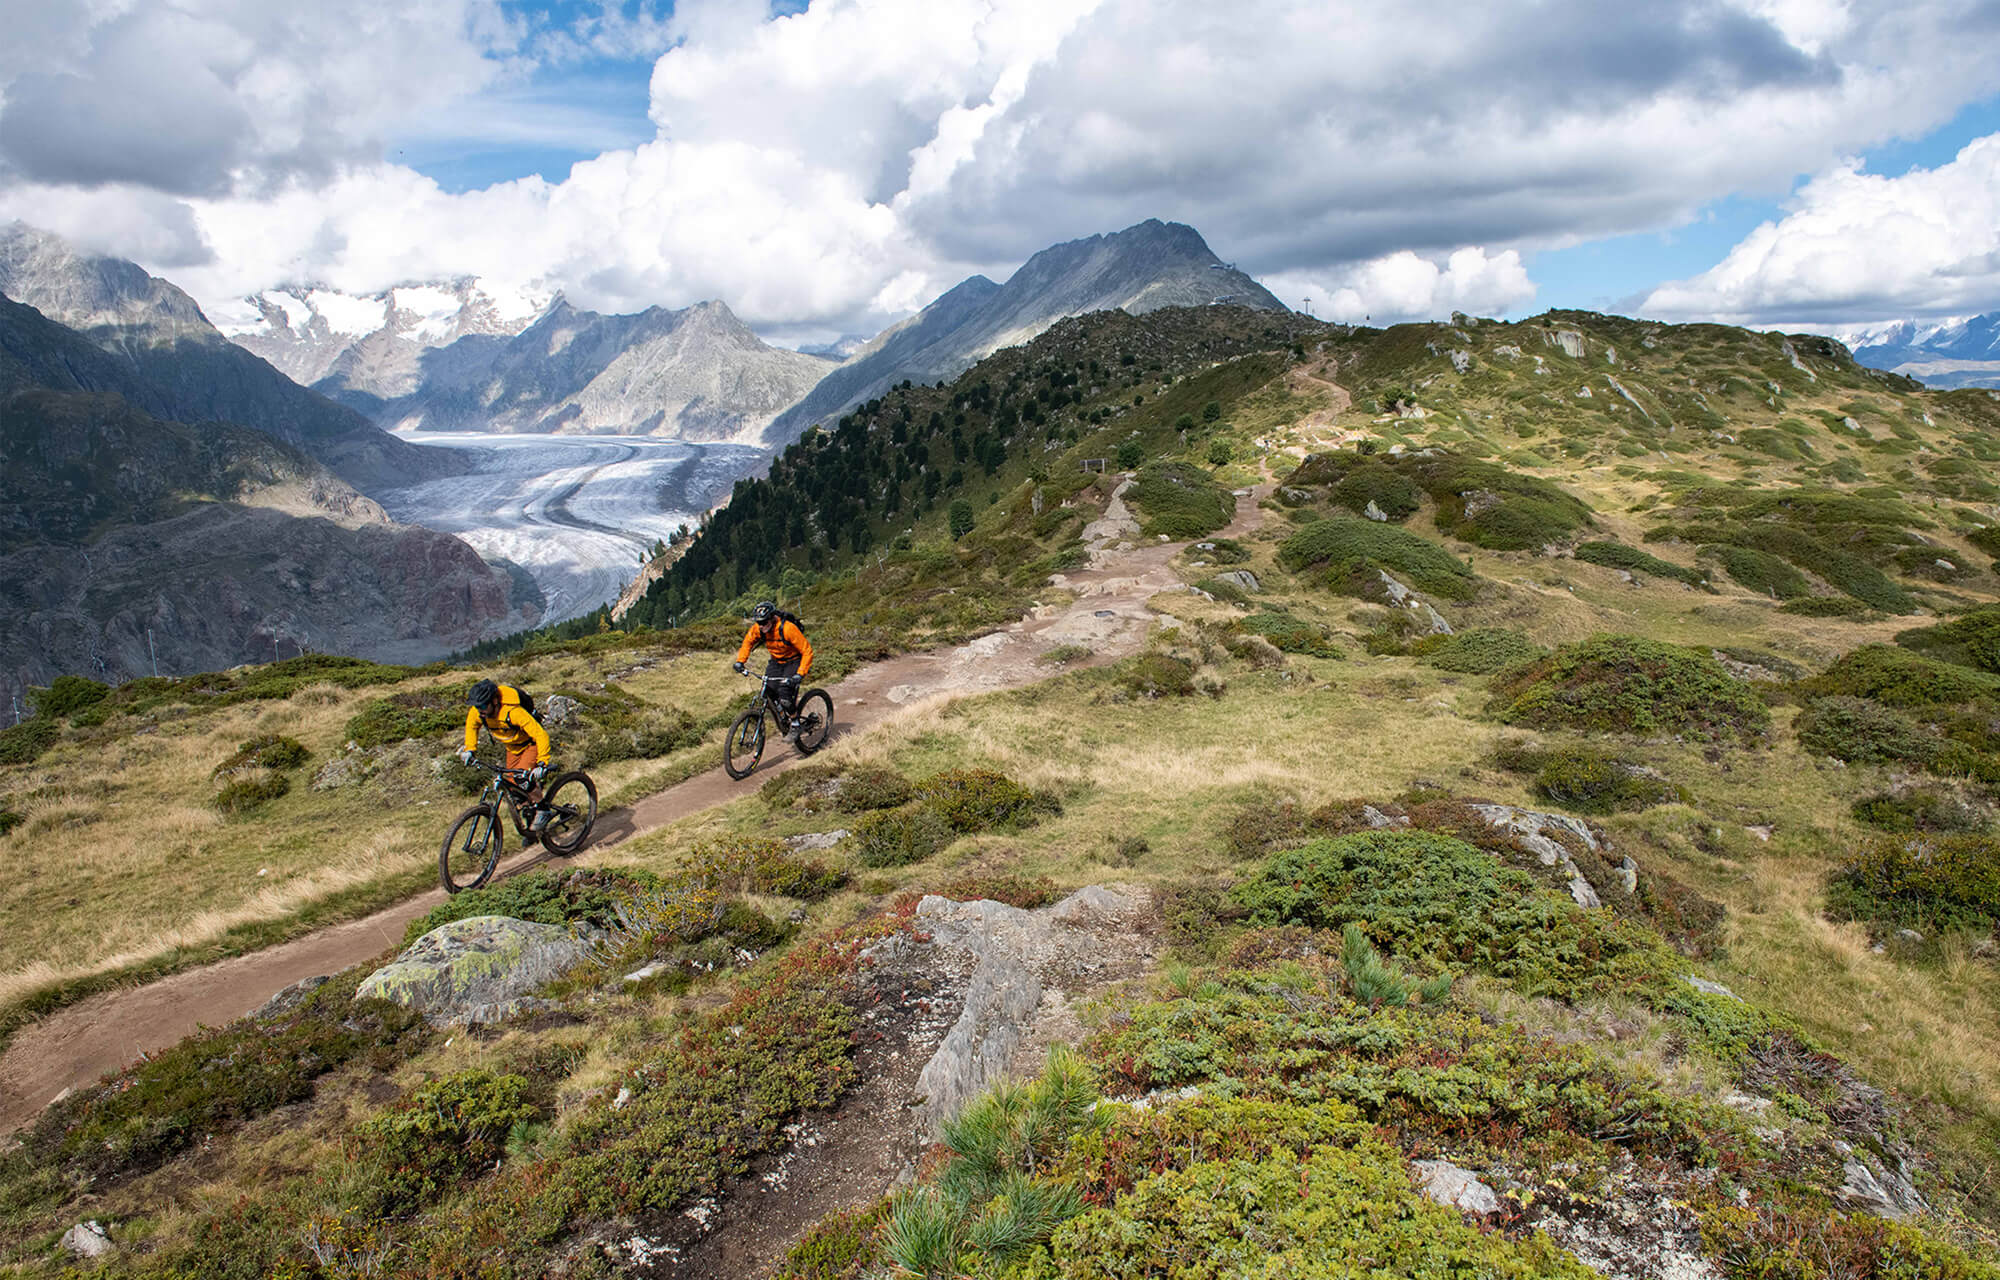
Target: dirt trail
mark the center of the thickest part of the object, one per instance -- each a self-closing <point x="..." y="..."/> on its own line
<point x="1107" y="613"/>
<point x="1319" y="429"/>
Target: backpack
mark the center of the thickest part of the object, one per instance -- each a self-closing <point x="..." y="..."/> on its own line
<point x="527" y="699"/>
<point x="783" y="616"/>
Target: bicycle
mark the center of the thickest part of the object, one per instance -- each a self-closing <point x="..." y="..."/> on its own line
<point x="745" y="744"/>
<point x="472" y="847"/>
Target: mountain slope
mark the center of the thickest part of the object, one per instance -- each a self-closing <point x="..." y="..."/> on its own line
<point x="218" y="539"/>
<point x="1140" y="269"/>
<point x="157" y="333"/>
<point x="1957" y="353"/>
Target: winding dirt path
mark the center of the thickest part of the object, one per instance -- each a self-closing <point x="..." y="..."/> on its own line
<point x="1107" y="613"/>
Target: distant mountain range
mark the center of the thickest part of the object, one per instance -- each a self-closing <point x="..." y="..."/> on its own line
<point x="164" y="502"/>
<point x="459" y="357"/>
<point x="1947" y="354"/>
<point x="189" y="370"/>
<point x="1142" y="268"/>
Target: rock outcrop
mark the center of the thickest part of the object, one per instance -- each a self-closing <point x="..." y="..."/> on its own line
<point x="479" y="969"/>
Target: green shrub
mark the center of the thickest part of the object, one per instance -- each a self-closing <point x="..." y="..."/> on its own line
<point x="1586" y="781"/>
<point x="66" y="695"/>
<point x="1225" y="591"/>
<point x="563" y="896"/>
<point x="982" y="799"/>
<point x="1921" y="882"/>
<point x="1153" y="674"/>
<point x="750" y="864"/>
<point x="1970" y="640"/>
<point x="1863" y="732"/>
<point x="1899" y="678"/>
<point x="898" y="837"/>
<point x="441" y="1135"/>
<point x="1180" y="501"/>
<point x="837" y="1247"/>
<point x="1394" y="494"/>
<point x="1784" y="1241"/>
<point x="1480" y="651"/>
<point x="1826" y="607"/>
<point x="245" y="794"/>
<point x="1481" y="502"/>
<point x="1918" y="810"/>
<point x="9" y="820"/>
<point x="425" y="714"/>
<point x="653" y="733"/>
<point x="1351" y="550"/>
<point x="1222" y="551"/>
<point x="1628" y="684"/>
<point x="1616" y="555"/>
<point x="25" y="742"/>
<point x="266" y="751"/>
<point x="1765" y="573"/>
<point x="1293" y="635"/>
<point x="207" y="1085"/>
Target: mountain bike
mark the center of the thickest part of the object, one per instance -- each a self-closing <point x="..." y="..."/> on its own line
<point x="472" y="847"/>
<point x="745" y="745"/>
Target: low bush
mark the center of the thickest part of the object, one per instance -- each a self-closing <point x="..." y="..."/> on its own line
<point x="1628" y="684"/>
<point x="982" y="799"/>
<point x="1863" y="732"/>
<point x="1375" y="481"/>
<point x="900" y="836"/>
<point x="1481" y="502"/>
<point x="25" y="742"/>
<point x="1026" y="892"/>
<point x="9" y="820"/>
<point x="1586" y="781"/>
<point x="571" y="895"/>
<point x="1224" y="590"/>
<point x="1918" y="809"/>
<point x="1351" y="551"/>
<point x="1970" y="640"/>
<point x="245" y="794"/>
<point x="1221" y="551"/>
<point x="1293" y="634"/>
<point x="1900" y="678"/>
<point x="266" y="751"/>
<point x="1770" y="575"/>
<point x="1826" y="607"/>
<point x="205" y="1085"/>
<point x="750" y="864"/>
<point x="1154" y="674"/>
<point x="837" y="1247"/>
<point x="1480" y="651"/>
<point x="440" y="1136"/>
<point x="1180" y="501"/>
<point x="425" y="714"/>
<point x="67" y="695"/>
<point x="1779" y="1240"/>
<point x="1921" y="882"/>
<point x="1616" y="555"/>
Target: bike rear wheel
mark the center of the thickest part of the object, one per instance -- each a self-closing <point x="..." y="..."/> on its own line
<point x="471" y="849"/>
<point x="815" y="720"/>
<point x="572" y="804"/>
<point x="745" y="745"/>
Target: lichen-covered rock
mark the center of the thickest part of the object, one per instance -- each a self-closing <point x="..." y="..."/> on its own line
<point x="480" y="969"/>
<point x="88" y="1240"/>
<point x="1455" y="1188"/>
<point x="1527" y="825"/>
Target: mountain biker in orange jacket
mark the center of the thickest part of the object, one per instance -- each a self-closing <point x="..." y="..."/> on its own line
<point x="791" y="657"/>
<point x="498" y="708"/>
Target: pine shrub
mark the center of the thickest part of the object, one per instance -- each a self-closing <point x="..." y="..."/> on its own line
<point x="1629" y="684"/>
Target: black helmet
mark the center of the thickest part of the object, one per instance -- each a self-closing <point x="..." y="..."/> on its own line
<point x="764" y="612"/>
<point x="482" y="693"/>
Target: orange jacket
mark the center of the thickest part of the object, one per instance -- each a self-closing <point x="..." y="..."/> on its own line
<point x="783" y="644"/>
<point x="512" y="728"/>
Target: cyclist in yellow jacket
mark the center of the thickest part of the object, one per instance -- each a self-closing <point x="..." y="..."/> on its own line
<point x="790" y="652"/>
<point x="498" y="708"/>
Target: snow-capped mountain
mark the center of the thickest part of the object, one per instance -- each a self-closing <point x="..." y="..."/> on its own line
<point x="370" y="347"/>
<point x="1962" y="352"/>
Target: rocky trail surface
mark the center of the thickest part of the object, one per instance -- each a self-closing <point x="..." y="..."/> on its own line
<point x="1106" y="611"/>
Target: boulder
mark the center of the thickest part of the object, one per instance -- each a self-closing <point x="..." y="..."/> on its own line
<point x="1374" y="512"/>
<point x="557" y="711"/>
<point x="480" y="969"/>
<point x="1242" y="578"/>
<point x="87" y="1240"/>
<point x="1455" y="1188"/>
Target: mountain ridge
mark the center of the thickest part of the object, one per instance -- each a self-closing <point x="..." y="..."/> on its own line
<point x="1145" y="267"/>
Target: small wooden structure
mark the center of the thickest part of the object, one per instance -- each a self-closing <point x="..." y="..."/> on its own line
<point x="1094" y="464"/>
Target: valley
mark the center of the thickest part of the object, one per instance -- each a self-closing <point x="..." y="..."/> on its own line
<point x="575" y="513"/>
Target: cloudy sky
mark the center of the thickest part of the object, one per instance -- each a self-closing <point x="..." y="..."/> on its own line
<point x="824" y="168"/>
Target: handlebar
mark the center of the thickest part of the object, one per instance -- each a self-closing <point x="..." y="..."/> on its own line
<point x="502" y="770"/>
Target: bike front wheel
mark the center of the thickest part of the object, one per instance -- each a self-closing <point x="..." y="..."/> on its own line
<point x="471" y="849"/>
<point x="815" y="720"/>
<point x="571" y="801"/>
<point x="745" y="745"/>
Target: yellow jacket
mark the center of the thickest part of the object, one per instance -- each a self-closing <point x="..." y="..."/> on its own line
<point x="512" y="728"/>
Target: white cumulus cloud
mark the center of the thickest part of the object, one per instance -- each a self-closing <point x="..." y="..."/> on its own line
<point x="1859" y="247"/>
<point x="1404" y="286"/>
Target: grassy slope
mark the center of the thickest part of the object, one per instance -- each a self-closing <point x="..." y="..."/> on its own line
<point x="1150" y="788"/>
